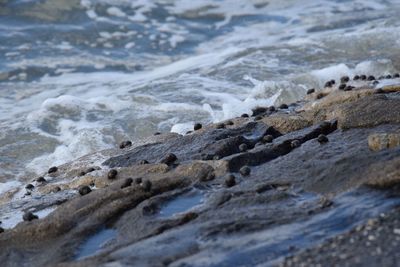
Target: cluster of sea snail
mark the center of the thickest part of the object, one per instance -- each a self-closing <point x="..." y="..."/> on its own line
<point x="345" y="79"/>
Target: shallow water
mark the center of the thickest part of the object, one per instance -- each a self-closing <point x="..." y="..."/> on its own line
<point x="95" y="243"/>
<point x="79" y="76"/>
<point x="181" y="204"/>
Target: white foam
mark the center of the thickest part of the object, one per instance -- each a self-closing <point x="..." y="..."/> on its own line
<point x="115" y="11"/>
<point x="9" y="185"/>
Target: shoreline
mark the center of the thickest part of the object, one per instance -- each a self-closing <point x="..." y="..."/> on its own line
<point x="253" y="188"/>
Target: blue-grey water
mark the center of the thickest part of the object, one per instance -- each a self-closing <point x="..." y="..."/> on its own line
<point x="80" y="76"/>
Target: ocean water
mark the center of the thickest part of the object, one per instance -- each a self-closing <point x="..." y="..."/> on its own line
<point x="78" y="76"/>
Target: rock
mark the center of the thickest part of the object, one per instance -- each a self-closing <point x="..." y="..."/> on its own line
<point x="127" y="182"/>
<point x="41" y="180"/>
<point x="146" y="185"/>
<point x="381" y="141"/>
<point x="52" y="170"/>
<point x="29" y="216"/>
<point x="169" y="159"/>
<point x="125" y="144"/>
<point x="322" y="139"/>
<point x="295" y="143"/>
<point x="84" y="190"/>
<point x="245" y="171"/>
<point x="29" y="186"/>
<point x="268" y="138"/>
<point x="197" y="126"/>
<point x="112" y="174"/>
<point x="243" y="147"/>
<point x="230" y="180"/>
<point x="310" y="91"/>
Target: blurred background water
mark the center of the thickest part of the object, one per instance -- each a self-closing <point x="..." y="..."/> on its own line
<point x="78" y="76"/>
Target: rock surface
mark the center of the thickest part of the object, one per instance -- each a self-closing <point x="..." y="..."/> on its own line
<point x="228" y="197"/>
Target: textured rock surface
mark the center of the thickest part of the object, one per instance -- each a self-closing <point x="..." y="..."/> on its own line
<point x="298" y="193"/>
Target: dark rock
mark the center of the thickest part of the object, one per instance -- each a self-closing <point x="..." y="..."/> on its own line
<point x="84" y="190"/>
<point x="332" y="82"/>
<point x="271" y="109"/>
<point x="283" y="106"/>
<point x="342" y="86"/>
<point x="344" y="79"/>
<point x="258" y="110"/>
<point x="112" y="174"/>
<point x="41" y="179"/>
<point x="268" y="138"/>
<point x="320" y="95"/>
<point x="230" y="180"/>
<point x="295" y="143"/>
<point x="322" y="139"/>
<point x="371" y="78"/>
<point x="125" y="144"/>
<point x="348" y="88"/>
<point x="138" y="180"/>
<point x="1" y="230"/>
<point x="197" y="126"/>
<point x="244" y="115"/>
<point x="220" y="126"/>
<point x="29" y="216"/>
<point x="388" y="76"/>
<point x="189" y="132"/>
<point x="397" y="75"/>
<point x="328" y="84"/>
<point x="243" y="147"/>
<point x="363" y="77"/>
<point x="127" y="182"/>
<point x="245" y="171"/>
<point x="29" y="186"/>
<point x="229" y="122"/>
<point x="310" y="91"/>
<point x="169" y="159"/>
<point x="52" y="169"/>
<point x="146" y="185"/>
<point x="356" y="77"/>
<point x="157" y="133"/>
<point x="257" y="118"/>
<point x="143" y="162"/>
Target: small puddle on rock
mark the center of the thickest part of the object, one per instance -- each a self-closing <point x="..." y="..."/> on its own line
<point x="181" y="203"/>
<point x="95" y="243"/>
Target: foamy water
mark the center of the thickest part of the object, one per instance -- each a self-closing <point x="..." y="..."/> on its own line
<point x="81" y="76"/>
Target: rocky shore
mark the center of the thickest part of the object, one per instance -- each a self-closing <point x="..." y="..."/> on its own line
<point x="313" y="183"/>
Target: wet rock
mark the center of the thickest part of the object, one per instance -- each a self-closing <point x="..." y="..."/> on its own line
<point x="342" y="86"/>
<point x="310" y="91"/>
<point x="138" y="180"/>
<point x="127" y="182"/>
<point x="220" y="126"/>
<point x="229" y="122"/>
<point x="29" y="216"/>
<point x="41" y="179"/>
<point x="143" y="162"/>
<point x="295" y="143"/>
<point x="371" y="78"/>
<point x="29" y="186"/>
<point x="169" y="159"/>
<point x="388" y="76"/>
<point x="258" y="111"/>
<point x="363" y="77"/>
<point x="112" y="174"/>
<point x="245" y="171"/>
<point x="356" y="77"/>
<point x="146" y="185"/>
<point x="125" y="144"/>
<point x="197" y="126"/>
<point x="243" y="147"/>
<point x="328" y="84"/>
<point x="230" y="180"/>
<point x="271" y="109"/>
<point x="380" y="141"/>
<point x="52" y="170"/>
<point x="344" y="79"/>
<point x="322" y="139"/>
<point x="84" y="190"/>
<point x="157" y="133"/>
<point x="1" y="230"/>
<point x="268" y="138"/>
<point x="397" y="75"/>
<point x="283" y="106"/>
<point x="244" y="115"/>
